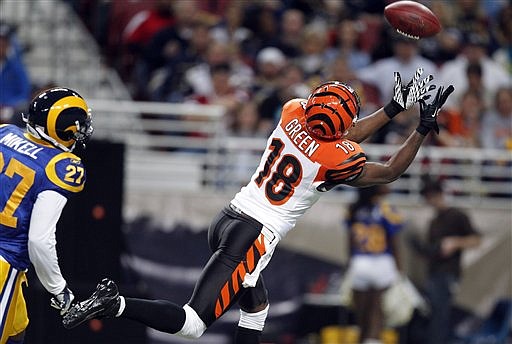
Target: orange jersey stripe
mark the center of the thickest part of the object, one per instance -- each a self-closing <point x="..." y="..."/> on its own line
<point x="232" y="287"/>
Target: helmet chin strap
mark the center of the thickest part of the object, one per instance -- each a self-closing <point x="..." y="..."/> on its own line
<point x="40" y="134"/>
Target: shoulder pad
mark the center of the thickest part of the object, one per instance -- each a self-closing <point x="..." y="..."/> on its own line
<point x="294" y="104"/>
<point x="293" y="109"/>
<point x="66" y="171"/>
<point x="345" y="163"/>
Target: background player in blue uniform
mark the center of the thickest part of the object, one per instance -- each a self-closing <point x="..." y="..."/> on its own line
<point x="38" y="173"/>
<point x="374" y="262"/>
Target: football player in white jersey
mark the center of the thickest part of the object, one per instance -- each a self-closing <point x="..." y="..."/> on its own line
<point x="313" y="148"/>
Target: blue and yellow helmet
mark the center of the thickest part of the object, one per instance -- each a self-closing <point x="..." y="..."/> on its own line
<point x="61" y="117"/>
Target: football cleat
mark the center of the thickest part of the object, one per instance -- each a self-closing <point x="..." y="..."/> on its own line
<point x="103" y="303"/>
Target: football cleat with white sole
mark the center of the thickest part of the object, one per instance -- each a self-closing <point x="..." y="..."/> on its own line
<point x="103" y="303"/>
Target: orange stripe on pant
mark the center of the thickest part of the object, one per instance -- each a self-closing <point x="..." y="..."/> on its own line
<point x="231" y="288"/>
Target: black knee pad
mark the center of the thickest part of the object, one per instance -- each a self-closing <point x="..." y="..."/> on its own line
<point x="254" y="298"/>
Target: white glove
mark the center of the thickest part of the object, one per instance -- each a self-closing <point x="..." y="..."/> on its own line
<point x="63" y="300"/>
<point x="404" y="97"/>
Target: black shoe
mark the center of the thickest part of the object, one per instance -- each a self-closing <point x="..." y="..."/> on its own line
<point x="104" y="302"/>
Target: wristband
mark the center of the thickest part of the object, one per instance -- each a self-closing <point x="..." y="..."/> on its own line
<point x="422" y="129"/>
<point x="392" y="109"/>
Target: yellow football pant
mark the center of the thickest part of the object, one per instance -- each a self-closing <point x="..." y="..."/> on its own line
<point x="13" y="311"/>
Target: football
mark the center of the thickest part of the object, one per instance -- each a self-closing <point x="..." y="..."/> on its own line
<point x="412" y="19"/>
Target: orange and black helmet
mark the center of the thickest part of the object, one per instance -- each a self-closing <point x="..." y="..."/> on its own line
<point x="331" y="109"/>
<point x="59" y="116"/>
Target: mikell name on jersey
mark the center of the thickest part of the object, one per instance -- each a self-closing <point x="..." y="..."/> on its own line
<point x="21" y="145"/>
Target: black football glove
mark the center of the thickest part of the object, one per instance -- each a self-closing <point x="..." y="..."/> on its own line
<point x="63" y="300"/>
<point x="406" y="96"/>
<point x="428" y="112"/>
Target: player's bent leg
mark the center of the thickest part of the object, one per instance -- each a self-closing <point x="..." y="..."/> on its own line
<point x="159" y="314"/>
<point x="165" y="316"/>
<point x="193" y="327"/>
<point x="250" y="326"/>
<point x="254" y="308"/>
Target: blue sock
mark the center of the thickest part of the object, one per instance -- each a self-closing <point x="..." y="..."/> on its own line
<point x="12" y="341"/>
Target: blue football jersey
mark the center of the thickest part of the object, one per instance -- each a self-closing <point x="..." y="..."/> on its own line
<point x="27" y="168"/>
<point x="373" y="228"/>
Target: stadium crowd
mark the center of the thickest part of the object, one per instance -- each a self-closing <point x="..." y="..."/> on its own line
<point x="252" y="56"/>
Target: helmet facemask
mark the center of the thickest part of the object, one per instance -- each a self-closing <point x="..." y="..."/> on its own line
<point x="83" y="131"/>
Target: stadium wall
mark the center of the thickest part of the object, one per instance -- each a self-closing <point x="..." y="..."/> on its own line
<point x="487" y="270"/>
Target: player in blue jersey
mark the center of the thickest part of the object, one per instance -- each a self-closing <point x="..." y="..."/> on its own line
<point x="374" y="261"/>
<point x="38" y="173"/>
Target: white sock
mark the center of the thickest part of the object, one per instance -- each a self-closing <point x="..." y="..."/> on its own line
<point x="122" y="306"/>
<point x="253" y="321"/>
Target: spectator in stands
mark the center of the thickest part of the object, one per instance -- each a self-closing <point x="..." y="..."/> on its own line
<point x="170" y="43"/>
<point x="14" y="79"/>
<point x="470" y="17"/>
<point x="137" y="34"/>
<point x="314" y="51"/>
<point x="461" y="126"/>
<point x="348" y="35"/>
<point x="497" y="123"/>
<point x="198" y="78"/>
<point x="146" y="23"/>
<point x="167" y="83"/>
<point x="374" y="263"/>
<point x="246" y="121"/>
<point x="474" y="52"/>
<point x="290" y="85"/>
<point x="223" y="91"/>
<point x="450" y="232"/>
<point x="503" y="36"/>
<point x="270" y="62"/>
<point x="230" y="30"/>
<point x="476" y="84"/>
<point x="446" y="44"/>
<point x="292" y="25"/>
<point x="405" y="59"/>
<point x="261" y="17"/>
<point x="463" y="121"/>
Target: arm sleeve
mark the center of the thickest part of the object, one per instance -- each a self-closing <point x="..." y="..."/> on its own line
<point x="41" y="240"/>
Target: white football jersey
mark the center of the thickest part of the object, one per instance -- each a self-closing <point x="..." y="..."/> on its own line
<point x="294" y="171"/>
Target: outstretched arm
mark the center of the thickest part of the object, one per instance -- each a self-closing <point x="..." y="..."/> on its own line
<point x="367" y="126"/>
<point x="378" y="173"/>
<point x="404" y="97"/>
<point x="383" y="173"/>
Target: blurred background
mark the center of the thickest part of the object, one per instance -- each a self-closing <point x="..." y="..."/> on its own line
<point x="184" y="94"/>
